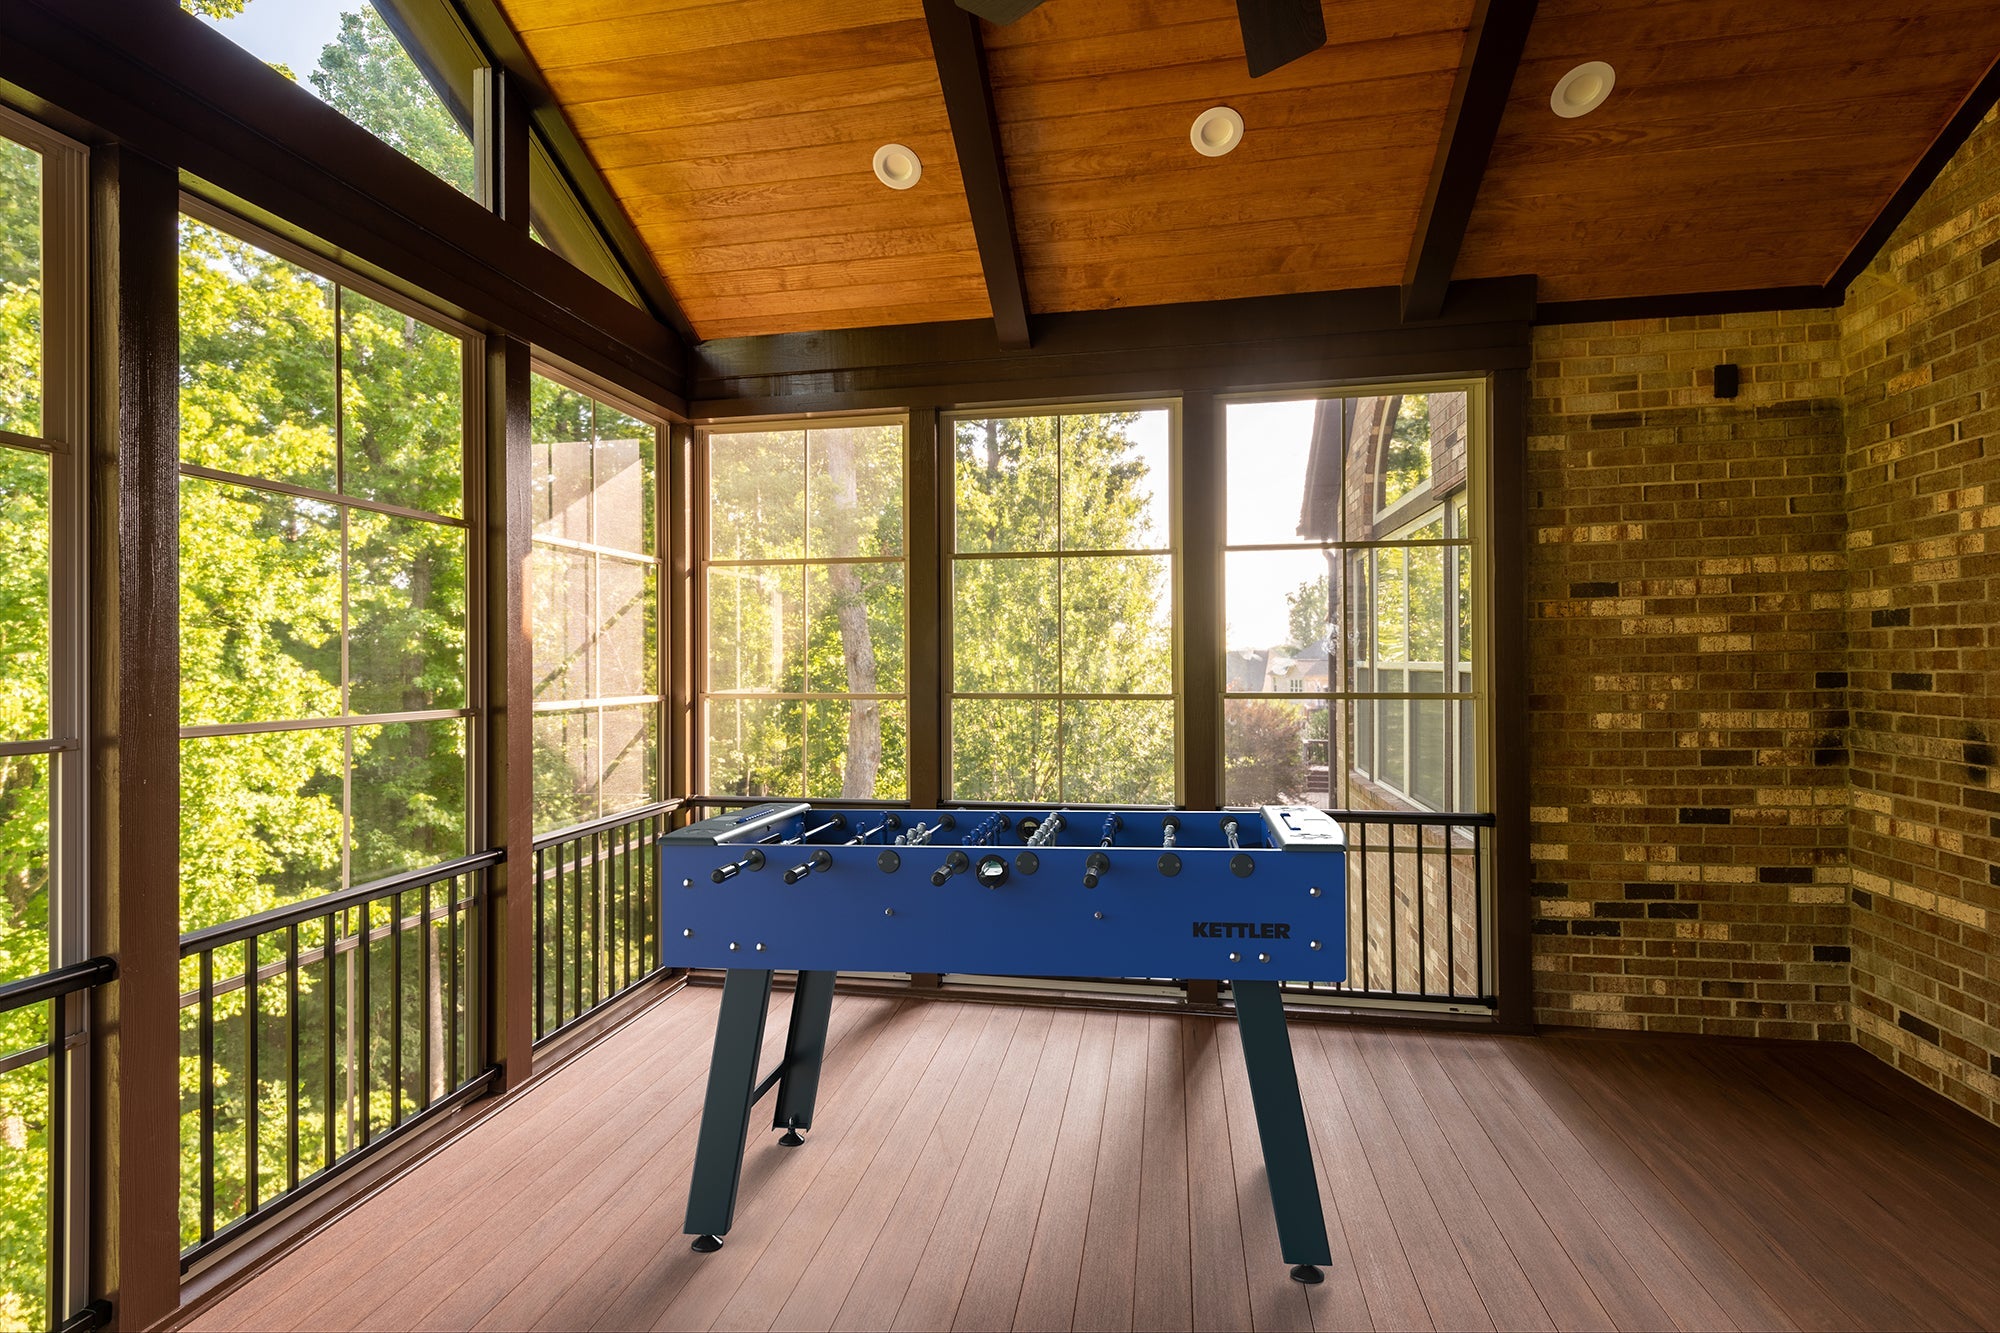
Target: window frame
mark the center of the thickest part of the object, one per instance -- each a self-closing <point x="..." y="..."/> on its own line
<point x="65" y="440"/>
<point x="472" y="467"/>
<point x="658" y="561"/>
<point x="948" y="556"/>
<point x="1408" y="513"/>
<point x="700" y="693"/>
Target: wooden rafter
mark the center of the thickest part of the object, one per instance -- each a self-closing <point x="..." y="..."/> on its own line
<point x="1485" y="76"/>
<point x="975" y="132"/>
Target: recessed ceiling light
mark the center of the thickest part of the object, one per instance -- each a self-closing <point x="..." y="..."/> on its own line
<point x="1582" y="90"/>
<point x="1216" y="131"/>
<point x="898" y="167"/>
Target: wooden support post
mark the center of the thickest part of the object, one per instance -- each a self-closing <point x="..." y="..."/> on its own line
<point x="1199" y="562"/>
<point x="509" y="750"/>
<point x="1508" y="643"/>
<point x="926" y="497"/>
<point x="502" y="120"/>
<point x="134" y="747"/>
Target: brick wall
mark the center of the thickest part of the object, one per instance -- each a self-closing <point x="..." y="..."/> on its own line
<point x="1921" y="345"/>
<point x="1687" y="599"/>
<point x="1763" y="649"/>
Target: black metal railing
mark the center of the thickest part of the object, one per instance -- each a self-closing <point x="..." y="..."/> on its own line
<point x="597" y="913"/>
<point x="1417" y="911"/>
<point x="313" y="1033"/>
<point x="37" y="1088"/>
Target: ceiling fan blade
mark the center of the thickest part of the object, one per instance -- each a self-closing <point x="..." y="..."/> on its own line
<point x="1277" y="32"/>
<point x="1001" y="12"/>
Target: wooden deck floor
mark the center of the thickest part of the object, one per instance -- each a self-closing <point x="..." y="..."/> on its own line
<point x="987" y="1167"/>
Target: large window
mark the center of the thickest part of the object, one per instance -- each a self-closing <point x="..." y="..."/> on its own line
<point x="1350" y="669"/>
<point x="596" y="607"/>
<point x="41" y="761"/>
<point x="325" y="690"/>
<point x="349" y="55"/>
<point x="803" y="595"/>
<point x="1062" y="607"/>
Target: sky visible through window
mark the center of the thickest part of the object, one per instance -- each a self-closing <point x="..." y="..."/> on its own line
<point x="291" y="33"/>
<point x="1281" y="435"/>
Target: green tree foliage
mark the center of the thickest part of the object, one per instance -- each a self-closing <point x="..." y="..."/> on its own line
<point x="1308" y="610"/>
<point x="367" y="76"/>
<point x="24" y="715"/>
<point x="828" y="624"/>
<point x="1264" y="752"/>
<point x="1060" y="617"/>
<point x="1406" y="465"/>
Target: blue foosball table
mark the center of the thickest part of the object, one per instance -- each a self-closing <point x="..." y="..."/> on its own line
<point x="1251" y="898"/>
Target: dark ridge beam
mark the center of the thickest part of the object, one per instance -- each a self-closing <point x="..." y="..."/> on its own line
<point x="1676" y="305"/>
<point x="975" y="132"/>
<point x="1472" y="119"/>
<point x="1985" y="95"/>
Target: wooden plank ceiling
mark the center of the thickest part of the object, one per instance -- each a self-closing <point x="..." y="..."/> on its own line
<point x="1748" y="144"/>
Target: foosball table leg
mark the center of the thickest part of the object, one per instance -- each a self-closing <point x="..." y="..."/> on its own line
<point x="805" y="1050"/>
<point x="725" y="1115"/>
<point x="1281" y="1124"/>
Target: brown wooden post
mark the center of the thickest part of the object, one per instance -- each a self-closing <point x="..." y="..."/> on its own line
<point x="1508" y="643"/>
<point x="134" y="747"/>
<point x="1200" y="564"/>
<point x="502" y="118"/>
<point x="923" y="485"/>
<point x="679" y="641"/>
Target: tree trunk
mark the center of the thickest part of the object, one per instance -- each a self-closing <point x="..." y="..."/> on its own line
<point x="857" y="643"/>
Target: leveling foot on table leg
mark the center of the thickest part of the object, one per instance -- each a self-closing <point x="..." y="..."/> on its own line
<point x="1306" y="1273"/>
<point x="791" y="1138"/>
<point x="706" y="1244"/>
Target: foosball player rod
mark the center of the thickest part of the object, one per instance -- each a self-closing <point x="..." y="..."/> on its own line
<point x="954" y="862"/>
<point x="1169" y="831"/>
<point x="1094" y="866"/>
<point x="866" y="834"/>
<point x="1229" y="831"/>
<point x="723" y="874"/>
<point x="819" y="860"/>
<point x="1111" y="826"/>
<point x="1281" y="1124"/>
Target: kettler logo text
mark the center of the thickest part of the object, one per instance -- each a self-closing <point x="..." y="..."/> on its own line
<point x="1242" y="930"/>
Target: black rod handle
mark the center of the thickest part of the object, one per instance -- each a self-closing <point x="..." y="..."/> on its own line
<point x="819" y="860"/>
<point x="953" y="863"/>
<point x="1094" y="865"/>
<point x="753" y="861"/>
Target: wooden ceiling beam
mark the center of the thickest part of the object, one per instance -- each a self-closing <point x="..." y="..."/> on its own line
<point x="1486" y="71"/>
<point x="975" y="133"/>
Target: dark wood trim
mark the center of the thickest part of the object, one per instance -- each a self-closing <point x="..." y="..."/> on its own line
<point x="1985" y="95"/>
<point x="1198" y="565"/>
<point x="1507" y="644"/>
<point x="490" y="28"/>
<point x="501" y="142"/>
<point x="171" y="88"/>
<point x="1486" y="70"/>
<point x="1258" y="342"/>
<point x="509" y="751"/>
<point x="982" y="165"/>
<point x="677" y="533"/>
<point x="134" y="749"/>
<point x="926" y="541"/>
<point x="1682" y="305"/>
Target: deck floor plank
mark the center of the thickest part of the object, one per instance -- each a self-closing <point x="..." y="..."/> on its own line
<point x="988" y="1166"/>
<point x="930" y="1297"/>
